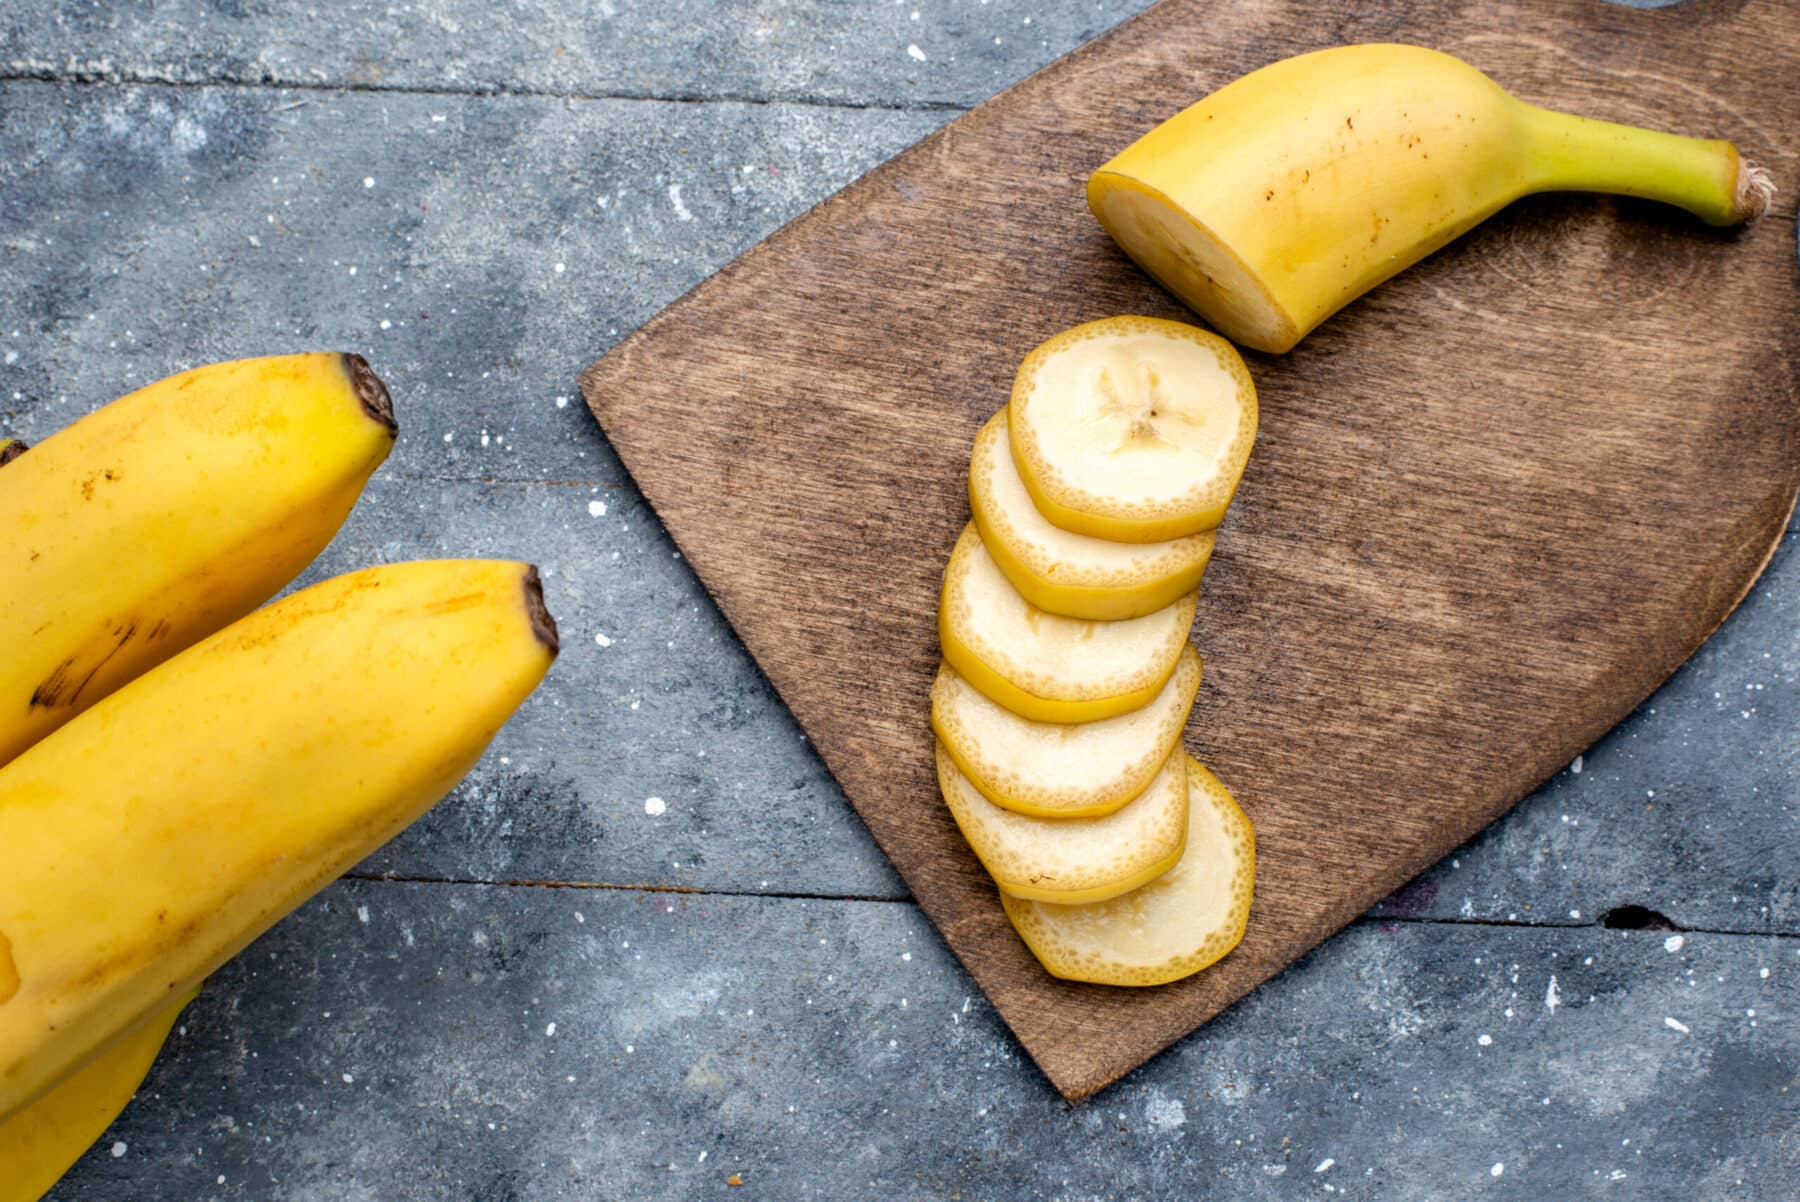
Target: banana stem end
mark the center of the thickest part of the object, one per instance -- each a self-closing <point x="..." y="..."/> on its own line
<point x="1755" y="190"/>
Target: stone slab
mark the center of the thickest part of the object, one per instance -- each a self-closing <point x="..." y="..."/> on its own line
<point x="430" y="1041"/>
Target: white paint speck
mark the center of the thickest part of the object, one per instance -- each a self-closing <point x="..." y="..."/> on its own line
<point x="1674" y="943"/>
<point x="913" y="52"/>
<point x="596" y="509"/>
<point x="906" y="955"/>
<point x="1763" y="973"/>
<point x="562" y="402"/>
<point x="1497" y="1169"/>
<point x="559" y="268"/>
<point x="1164" y="1113"/>
<point x="1552" y="998"/>
<point x="681" y="210"/>
<point x="119" y="1148"/>
<point x="349" y="1079"/>
<point x="601" y="639"/>
<point x="386" y="324"/>
<point x="1485" y="1040"/>
<point x="1323" y="1165"/>
<point x="654" y="806"/>
<point x="12" y="357"/>
<point x="362" y="915"/>
<point x="1576" y="766"/>
<point x="550" y="1031"/>
<point x="1574" y="913"/>
<point x="368" y="181"/>
<point x="1675" y="1024"/>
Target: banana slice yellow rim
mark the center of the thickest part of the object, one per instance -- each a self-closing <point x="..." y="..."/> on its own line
<point x="1073" y="860"/>
<point x="1043" y="666"/>
<point x="1183" y="921"/>
<point x="1072" y="574"/>
<point x="1134" y="429"/>
<point x="1050" y="770"/>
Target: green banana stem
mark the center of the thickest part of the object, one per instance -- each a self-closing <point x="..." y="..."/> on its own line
<point x="1704" y="176"/>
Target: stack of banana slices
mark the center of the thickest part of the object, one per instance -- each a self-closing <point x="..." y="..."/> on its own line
<point x="1067" y="675"/>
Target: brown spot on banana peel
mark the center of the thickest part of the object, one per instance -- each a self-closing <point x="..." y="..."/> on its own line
<point x="64" y="684"/>
<point x="11" y="449"/>
<point x="542" y="624"/>
<point x="371" y="392"/>
<point x="9" y="970"/>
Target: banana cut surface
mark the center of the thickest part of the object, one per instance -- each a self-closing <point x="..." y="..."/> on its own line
<point x="1181" y="922"/>
<point x="1052" y="770"/>
<point x="1134" y="429"/>
<point x="1065" y="573"/>
<point x="1073" y="860"/>
<point x="1043" y="666"/>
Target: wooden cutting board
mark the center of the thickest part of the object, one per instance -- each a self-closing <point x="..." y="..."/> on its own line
<point x="1493" y="504"/>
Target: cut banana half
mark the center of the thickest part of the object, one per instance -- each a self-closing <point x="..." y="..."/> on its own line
<point x="1050" y="770"/>
<point x="1065" y="573"/>
<point x="1043" y="666"/>
<point x="1173" y="927"/>
<point x="1133" y="428"/>
<point x="1073" y="860"/>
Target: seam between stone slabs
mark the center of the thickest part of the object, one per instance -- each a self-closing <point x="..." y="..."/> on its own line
<point x="615" y="887"/>
<point x="27" y="71"/>
<point x="801" y="895"/>
<point x="506" y="481"/>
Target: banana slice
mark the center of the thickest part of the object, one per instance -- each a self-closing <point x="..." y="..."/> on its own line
<point x="1065" y="573"/>
<point x="1073" y="860"/>
<point x="1173" y="927"/>
<point x="1050" y="770"/>
<point x="1133" y="428"/>
<point x="1045" y="667"/>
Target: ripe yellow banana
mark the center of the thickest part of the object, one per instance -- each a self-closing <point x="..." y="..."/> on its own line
<point x="41" y="1142"/>
<point x="168" y="514"/>
<point x="1286" y="194"/>
<point x="150" y="839"/>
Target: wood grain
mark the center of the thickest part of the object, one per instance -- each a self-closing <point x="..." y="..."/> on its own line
<point x="1493" y="504"/>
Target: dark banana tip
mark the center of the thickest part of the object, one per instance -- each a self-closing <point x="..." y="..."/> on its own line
<point x="11" y="449"/>
<point x="542" y="624"/>
<point x="371" y="392"/>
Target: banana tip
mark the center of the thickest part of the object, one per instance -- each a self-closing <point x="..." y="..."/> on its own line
<point x="371" y="392"/>
<point x="542" y="624"/>
<point x="11" y="449"/>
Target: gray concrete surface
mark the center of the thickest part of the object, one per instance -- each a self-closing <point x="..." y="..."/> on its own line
<point x="432" y="184"/>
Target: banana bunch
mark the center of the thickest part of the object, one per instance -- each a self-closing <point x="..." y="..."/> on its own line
<point x="289" y="742"/>
<point x="1285" y="195"/>
<point x="1067" y="676"/>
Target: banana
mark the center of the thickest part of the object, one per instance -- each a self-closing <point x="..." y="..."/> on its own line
<point x="168" y="514"/>
<point x="11" y="449"/>
<point x="1072" y="574"/>
<point x="1288" y="193"/>
<point x="1133" y="429"/>
<point x="1049" y="770"/>
<point x="1045" y="667"/>
<point x="1073" y="860"/>
<point x="150" y="839"/>
<point x="41" y="1142"/>
<point x="1178" y="924"/>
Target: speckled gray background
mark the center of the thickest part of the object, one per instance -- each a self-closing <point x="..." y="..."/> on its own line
<point x="481" y="197"/>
